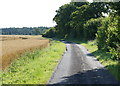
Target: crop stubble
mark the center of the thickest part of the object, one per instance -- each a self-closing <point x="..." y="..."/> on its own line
<point x="11" y="46"/>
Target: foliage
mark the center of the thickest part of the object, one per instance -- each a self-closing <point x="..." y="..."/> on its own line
<point x="83" y="20"/>
<point x="91" y="27"/>
<point x="62" y="19"/>
<point x="108" y="37"/>
<point x="104" y="58"/>
<point x="70" y="18"/>
<point x="115" y="6"/>
<point x="23" y="31"/>
<point x="102" y="34"/>
<point x="50" y="32"/>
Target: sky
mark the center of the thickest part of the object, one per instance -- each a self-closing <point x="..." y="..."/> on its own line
<point x="29" y="13"/>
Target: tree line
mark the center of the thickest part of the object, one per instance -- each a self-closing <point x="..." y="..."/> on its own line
<point x="23" y="31"/>
<point x="89" y="21"/>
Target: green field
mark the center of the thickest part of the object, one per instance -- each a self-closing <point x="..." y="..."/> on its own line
<point x="34" y="67"/>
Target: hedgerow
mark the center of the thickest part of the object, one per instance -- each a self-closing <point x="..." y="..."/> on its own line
<point x="108" y="36"/>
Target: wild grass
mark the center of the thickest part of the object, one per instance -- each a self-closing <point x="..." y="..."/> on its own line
<point x="104" y="57"/>
<point x="34" y="67"/>
<point x="0" y="77"/>
<point x="12" y="47"/>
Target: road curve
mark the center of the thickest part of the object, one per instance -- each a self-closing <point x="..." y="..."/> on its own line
<point x="78" y="66"/>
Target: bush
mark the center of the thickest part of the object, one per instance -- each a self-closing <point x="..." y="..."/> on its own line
<point x="108" y="37"/>
<point x="113" y="38"/>
<point x="50" y="32"/>
<point x="91" y="27"/>
<point x="102" y="34"/>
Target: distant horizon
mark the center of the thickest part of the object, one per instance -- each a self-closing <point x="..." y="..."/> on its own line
<point x="24" y="27"/>
<point x="29" y="13"/>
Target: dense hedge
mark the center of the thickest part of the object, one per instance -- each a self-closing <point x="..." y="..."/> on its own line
<point x="108" y="36"/>
<point x="91" y="27"/>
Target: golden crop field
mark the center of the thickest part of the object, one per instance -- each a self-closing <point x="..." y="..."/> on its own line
<point x="13" y="45"/>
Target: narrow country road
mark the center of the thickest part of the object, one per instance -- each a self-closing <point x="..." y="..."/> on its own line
<point x="78" y="66"/>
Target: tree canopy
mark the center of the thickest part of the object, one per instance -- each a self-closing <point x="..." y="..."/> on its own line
<point x="88" y="21"/>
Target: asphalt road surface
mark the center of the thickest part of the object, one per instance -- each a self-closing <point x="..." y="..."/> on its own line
<point x="78" y="66"/>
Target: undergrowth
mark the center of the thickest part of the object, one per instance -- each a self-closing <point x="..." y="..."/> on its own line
<point x="104" y="57"/>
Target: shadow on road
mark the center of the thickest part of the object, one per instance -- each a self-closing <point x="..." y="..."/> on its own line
<point x="115" y="68"/>
<point x="95" y="77"/>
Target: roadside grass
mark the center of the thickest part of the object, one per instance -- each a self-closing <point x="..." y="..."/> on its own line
<point x="104" y="57"/>
<point x="0" y="77"/>
<point x="34" y="67"/>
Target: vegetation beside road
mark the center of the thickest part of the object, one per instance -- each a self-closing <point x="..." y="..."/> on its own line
<point x="104" y="57"/>
<point x="78" y="21"/>
<point x="34" y="67"/>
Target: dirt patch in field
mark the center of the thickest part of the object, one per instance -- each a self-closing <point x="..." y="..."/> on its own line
<point x="12" y="46"/>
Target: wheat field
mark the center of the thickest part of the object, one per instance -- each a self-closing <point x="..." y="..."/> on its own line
<point x="13" y="45"/>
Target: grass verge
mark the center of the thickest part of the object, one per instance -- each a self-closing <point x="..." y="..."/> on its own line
<point x="34" y="67"/>
<point x="104" y="57"/>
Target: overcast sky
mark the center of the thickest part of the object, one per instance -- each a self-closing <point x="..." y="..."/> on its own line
<point x="28" y="13"/>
